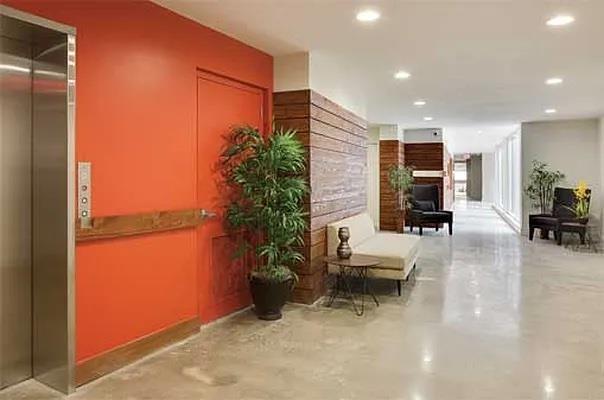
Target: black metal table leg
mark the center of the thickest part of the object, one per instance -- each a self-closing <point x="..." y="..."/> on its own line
<point x="356" y="267"/>
<point x="343" y="284"/>
<point x="335" y="290"/>
<point x="364" y="275"/>
<point x="347" y="281"/>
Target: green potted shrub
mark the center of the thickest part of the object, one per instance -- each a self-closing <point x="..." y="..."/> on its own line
<point x="266" y="203"/>
<point x="540" y="189"/>
<point x="400" y="180"/>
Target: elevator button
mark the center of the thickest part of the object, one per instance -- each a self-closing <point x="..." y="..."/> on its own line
<point x="84" y="193"/>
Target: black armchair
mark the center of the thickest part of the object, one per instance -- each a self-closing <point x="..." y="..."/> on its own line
<point x="562" y="219"/>
<point x="426" y="209"/>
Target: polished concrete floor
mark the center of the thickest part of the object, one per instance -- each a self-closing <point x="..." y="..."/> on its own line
<point x="488" y="316"/>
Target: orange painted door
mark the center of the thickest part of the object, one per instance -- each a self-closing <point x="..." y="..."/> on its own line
<point x="222" y="279"/>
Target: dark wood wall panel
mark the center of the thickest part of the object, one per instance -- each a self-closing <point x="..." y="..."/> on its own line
<point x="432" y="157"/>
<point x="424" y="156"/>
<point x="336" y="140"/>
<point x="302" y="126"/>
<point x="392" y="152"/>
<point x="290" y="98"/>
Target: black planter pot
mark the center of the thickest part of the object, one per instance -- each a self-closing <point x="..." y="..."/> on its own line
<point x="269" y="297"/>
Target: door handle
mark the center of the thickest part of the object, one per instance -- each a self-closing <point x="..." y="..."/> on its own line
<point x="205" y="214"/>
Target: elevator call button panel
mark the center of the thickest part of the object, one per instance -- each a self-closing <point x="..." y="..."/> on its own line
<point x="84" y="193"/>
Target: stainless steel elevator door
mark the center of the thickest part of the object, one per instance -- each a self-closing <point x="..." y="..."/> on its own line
<point x="15" y="211"/>
<point x="37" y="197"/>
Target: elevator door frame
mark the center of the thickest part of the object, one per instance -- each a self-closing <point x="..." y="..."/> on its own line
<point x="59" y="376"/>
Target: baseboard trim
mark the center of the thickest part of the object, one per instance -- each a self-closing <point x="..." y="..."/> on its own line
<point x="508" y="219"/>
<point x="114" y="359"/>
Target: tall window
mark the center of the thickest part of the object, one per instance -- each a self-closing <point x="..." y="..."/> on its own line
<point x="508" y="185"/>
<point x="516" y="181"/>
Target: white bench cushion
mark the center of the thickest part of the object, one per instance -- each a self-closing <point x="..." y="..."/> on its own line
<point x="394" y="250"/>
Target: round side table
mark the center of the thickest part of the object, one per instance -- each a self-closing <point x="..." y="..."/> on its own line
<point x="357" y="266"/>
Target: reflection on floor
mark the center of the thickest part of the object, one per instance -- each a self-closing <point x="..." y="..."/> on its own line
<point x="488" y="316"/>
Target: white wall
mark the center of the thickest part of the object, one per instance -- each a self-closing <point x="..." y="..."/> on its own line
<point x="319" y="72"/>
<point x="488" y="177"/>
<point x="573" y="147"/>
<point x="291" y="72"/>
<point x="431" y="135"/>
<point x="333" y="80"/>
<point x="389" y="132"/>
<point x="373" y="174"/>
<point x="602" y="174"/>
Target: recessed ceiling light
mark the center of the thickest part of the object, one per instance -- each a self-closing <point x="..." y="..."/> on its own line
<point x="479" y="131"/>
<point x="560" y="20"/>
<point x="419" y="103"/>
<point x="368" y="15"/>
<point x="402" y="75"/>
<point x="551" y="111"/>
<point x="428" y="118"/>
<point x="554" y="81"/>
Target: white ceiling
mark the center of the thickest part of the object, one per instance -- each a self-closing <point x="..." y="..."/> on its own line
<point x="480" y="64"/>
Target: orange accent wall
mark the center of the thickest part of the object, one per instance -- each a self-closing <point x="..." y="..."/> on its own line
<point x="136" y="122"/>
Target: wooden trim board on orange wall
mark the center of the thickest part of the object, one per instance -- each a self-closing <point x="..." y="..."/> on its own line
<point x="138" y="224"/>
<point x="96" y="367"/>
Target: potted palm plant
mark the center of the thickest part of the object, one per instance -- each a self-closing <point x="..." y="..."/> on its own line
<point x="400" y="179"/>
<point x="540" y="189"/>
<point x="266" y="204"/>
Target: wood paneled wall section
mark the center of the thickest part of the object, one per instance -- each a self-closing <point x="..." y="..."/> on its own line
<point x="432" y="157"/>
<point x="336" y="140"/>
<point x="392" y="152"/>
<point x="424" y="156"/>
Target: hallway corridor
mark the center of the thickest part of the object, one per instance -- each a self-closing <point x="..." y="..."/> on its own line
<point x="488" y="315"/>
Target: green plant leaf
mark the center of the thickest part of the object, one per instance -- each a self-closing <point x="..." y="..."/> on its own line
<point x="400" y="180"/>
<point x="540" y="188"/>
<point x="267" y="187"/>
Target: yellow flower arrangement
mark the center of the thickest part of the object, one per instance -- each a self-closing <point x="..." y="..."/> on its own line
<point x="581" y="190"/>
<point x="581" y="200"/>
